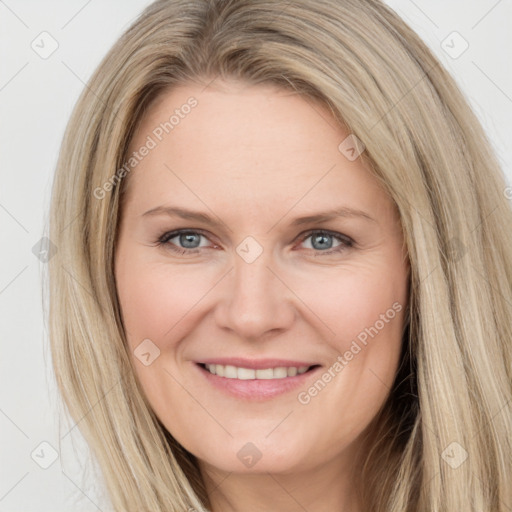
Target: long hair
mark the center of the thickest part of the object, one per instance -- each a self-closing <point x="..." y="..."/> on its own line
<point x="443" y="440"/>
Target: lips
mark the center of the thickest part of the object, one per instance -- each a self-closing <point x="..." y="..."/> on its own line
<point x="256" y="379"/>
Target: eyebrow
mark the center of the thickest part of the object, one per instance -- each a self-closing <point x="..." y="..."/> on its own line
<point x="184" y="213"/>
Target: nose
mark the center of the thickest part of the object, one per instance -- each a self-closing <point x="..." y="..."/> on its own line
<point x="256" y="300"/>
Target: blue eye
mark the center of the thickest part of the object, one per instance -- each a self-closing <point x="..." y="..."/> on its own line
<point x="190" y="240"/>
<point x="322" y="241"/>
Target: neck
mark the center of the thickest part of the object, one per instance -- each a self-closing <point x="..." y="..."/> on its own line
<point x="331" y="486"/>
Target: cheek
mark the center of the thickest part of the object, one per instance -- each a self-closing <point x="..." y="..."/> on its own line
<point x="155" y="300"/>
<point x="364" y="310"/>
<point x="158" y="303"/>
<point x="357" y="304"/>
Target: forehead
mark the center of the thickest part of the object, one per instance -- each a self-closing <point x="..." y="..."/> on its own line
<point x="246" y="146"/>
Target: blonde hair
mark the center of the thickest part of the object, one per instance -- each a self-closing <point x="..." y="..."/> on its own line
<point x="427" y="148"/>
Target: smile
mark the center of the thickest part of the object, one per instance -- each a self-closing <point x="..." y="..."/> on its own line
<point x="256" y="380"/>
<point x="234" y="372"/>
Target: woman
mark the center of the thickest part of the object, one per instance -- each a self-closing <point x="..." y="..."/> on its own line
<point x="215" y="353"/>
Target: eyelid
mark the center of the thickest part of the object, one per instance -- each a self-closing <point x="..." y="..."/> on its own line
<point x="167" y="235"/>
<point x="346" y="242"/>
<point x="302" y="236"/>
<point x="164" y="241"/>
<point x="335" y="234"/>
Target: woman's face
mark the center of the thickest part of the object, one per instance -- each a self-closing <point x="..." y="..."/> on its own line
<point x="290" y="259"/>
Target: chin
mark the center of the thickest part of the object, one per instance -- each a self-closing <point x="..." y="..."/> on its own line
<point x="258" y="456"/>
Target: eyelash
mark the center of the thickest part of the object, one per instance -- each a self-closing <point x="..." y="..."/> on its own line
<point x="346" y="242"/>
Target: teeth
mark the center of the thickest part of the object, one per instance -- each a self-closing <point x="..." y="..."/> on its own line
<point x="234" y="372"/>
<point x="246" y="374"/>
<point x="280" y="373"/>
<point x="268" y="373"/>
<point x="230" y="372"/>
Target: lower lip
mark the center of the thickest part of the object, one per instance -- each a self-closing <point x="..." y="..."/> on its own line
<point x="257" y="389"/>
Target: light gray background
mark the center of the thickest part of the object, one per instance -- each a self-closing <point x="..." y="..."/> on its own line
<point x="36" y="98"/>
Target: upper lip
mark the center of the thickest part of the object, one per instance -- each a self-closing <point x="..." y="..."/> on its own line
<point x="256" y="364"/>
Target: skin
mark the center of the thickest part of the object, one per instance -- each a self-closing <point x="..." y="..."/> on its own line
<point x="255" y="158"/>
